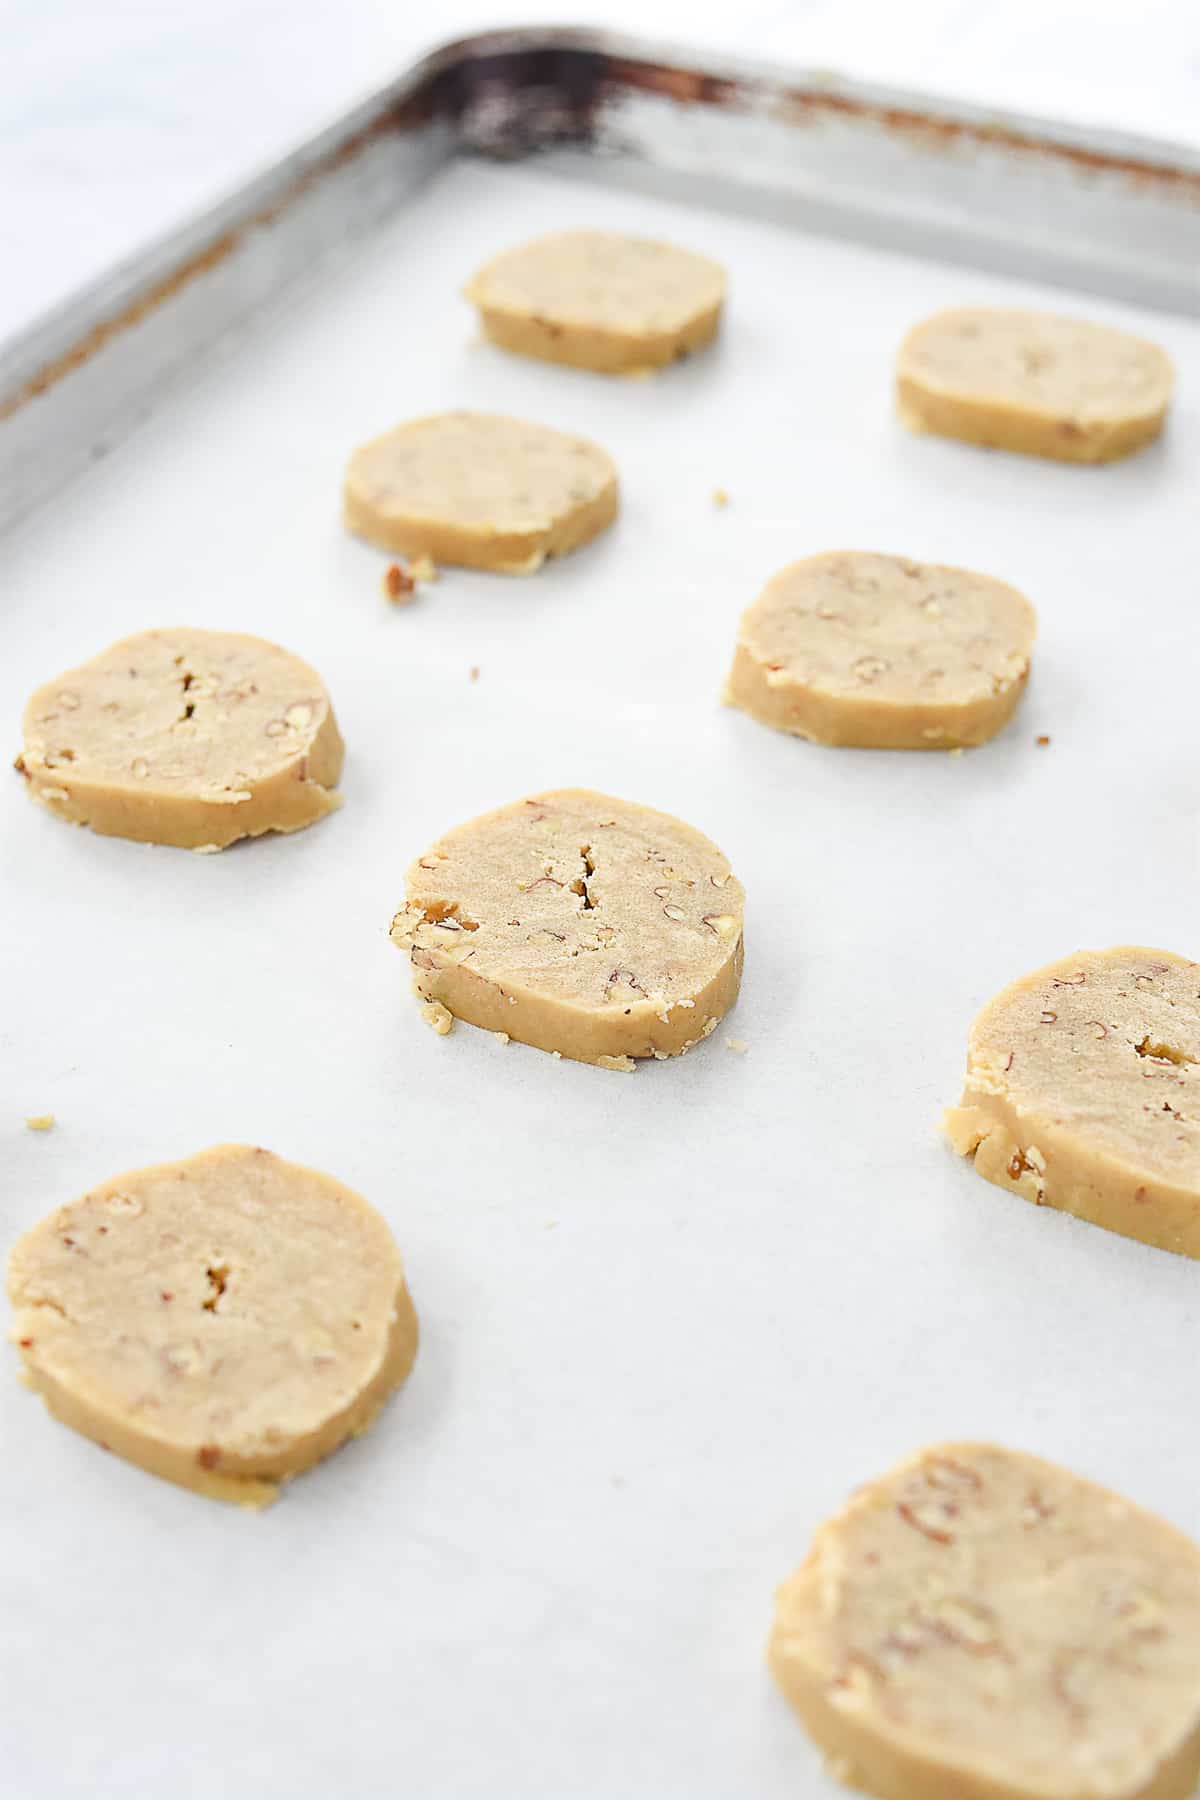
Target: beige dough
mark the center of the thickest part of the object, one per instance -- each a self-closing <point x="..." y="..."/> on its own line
<point x="599" y="300"/>
<point x="480" y="490"/>
<point x="852" y="648"/>
<point x="1033" y="382"/>
<point x="1083" y="1092"/>
<point x="223" y="1322"/>
<point x="980" y="1625"/>
<point x="191" y="738"/>
<point x="577" y="923"/>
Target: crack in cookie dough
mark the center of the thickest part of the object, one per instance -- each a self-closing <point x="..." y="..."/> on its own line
<point x="978" y="1624"/>
<point x="1033" y="382"/>
<point x="599" y="300"/>
<point x="481" y="490"/>
<point x="856" y="649"/>
<point x="184" y="737"/>
<point x="590" y="927"/>
<point x="223" y="1322"/>
<point x="1083" y="1093"/>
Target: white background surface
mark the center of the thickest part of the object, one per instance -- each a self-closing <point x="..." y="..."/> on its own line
<point x="117" y="119"/>
<point x="670" y="1318"/>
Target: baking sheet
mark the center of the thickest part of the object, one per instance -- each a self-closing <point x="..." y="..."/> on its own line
<point x="669" y="1319"/>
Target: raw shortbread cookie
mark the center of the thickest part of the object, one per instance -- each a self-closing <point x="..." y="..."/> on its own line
<point x="480" y="490"/>
<point x="579" y="924"/>
<point x="599" y="300"/>
<point x="855" y="649"/>
<point x="980" y="1625"/>
<point x="192" y="738"/>
<point x="224" y="1321"/>
<point x="1033" y="382"/>
<point x="1083" y="1092"/>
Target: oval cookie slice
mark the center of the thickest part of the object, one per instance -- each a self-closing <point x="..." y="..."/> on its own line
<point x="981" y="1625"/>
<point x="584" y="925"/>
<point x="191" y="738"/>
<point x="599" y="300"/>
<point x="224" y="1321"/>
<point x="851" y="648"/>
<point x="1033" y="382"/>
<point x="480" y="490"/>
<point x="1083" y="1092"/>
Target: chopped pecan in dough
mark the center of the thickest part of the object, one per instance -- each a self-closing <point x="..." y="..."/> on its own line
<point x="978" y="1624"/>
<point x="854" y="648"/>
<point x="1033" y="382"/>
<point x="223" y="1322"/>
<point x="1083" y="1092"/>
<point x="481" y="490"/>
<point x="185" y="737"/>
<point x="586" y="926"/>
<point x="600" y="300"/>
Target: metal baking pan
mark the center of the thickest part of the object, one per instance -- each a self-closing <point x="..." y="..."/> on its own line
<point x="669" y="1318"/>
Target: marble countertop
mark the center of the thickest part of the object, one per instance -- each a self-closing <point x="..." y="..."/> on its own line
<point x="118" y="120"/>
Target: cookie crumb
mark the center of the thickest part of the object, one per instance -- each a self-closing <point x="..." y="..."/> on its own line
<point x="502" y="1037"/>
<point x="473" y="672"/>
<point x="720" y="497"/>
<point x="957" y="750"/>
<point x="550" y="1225"/>
<point x="624" y="1065"/>
<point x="439" y="1018"/>
<point x="737" y="1044"/>
<point x="399" y="585"/>
<point x="40" y="1122"/>
<point x="1041" y="742"/>
<point x="423" y="568"/>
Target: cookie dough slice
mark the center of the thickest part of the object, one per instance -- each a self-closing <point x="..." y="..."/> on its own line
<point x="1083" y="1092"/>
<point x="599" y="300"/>
<point x="852" y="648"/>
<point x="1033" y="382"/>
<point x="980" y="1625"/>
<point x="191" y="738"/>
<point x="580" y="924"/>
<point x="480" y="490"/>
<point x="224" y="1321"/>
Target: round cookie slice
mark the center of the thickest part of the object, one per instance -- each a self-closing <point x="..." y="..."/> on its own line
<point x="185" y="737"/>
<point x="1033" y="382"/>
<point x="1083" y="1093"/>
<point x="583" y="925"/>
<point x="480" y="490"/>
<point x="599" y="300"/>
<point x="978" y="1624"/>
<point x="851" y="648"/>
<point x="224" y="1321"/>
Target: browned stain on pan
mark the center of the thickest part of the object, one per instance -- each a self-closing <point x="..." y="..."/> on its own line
<point x="547" y="91"/>
<point x="411" y="113"/>
<point x="803" y="106"/>
<point x="809" y="106"/>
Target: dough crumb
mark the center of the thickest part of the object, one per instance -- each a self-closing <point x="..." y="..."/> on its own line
<point x="439" y="1018"/>
<point x="624" y="1065"/>
<point x="423" y="568"/>
<point x="399" y="585"/>
<point x="739" y="1045"/>
<point x="957" y="750"/>
<point x="206" y="849"/>
<point x="1041" y="742"/>
<point x="502" y="1037"/>
<point x="40" y="1122"/>
<point x="720" y="497"/>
